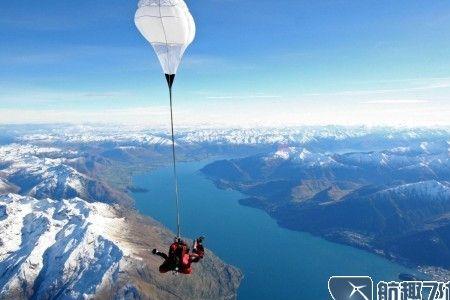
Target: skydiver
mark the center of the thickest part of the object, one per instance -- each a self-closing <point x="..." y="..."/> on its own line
<point x="179" y="258"/>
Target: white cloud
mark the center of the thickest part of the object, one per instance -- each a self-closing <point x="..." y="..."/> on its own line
<point x="65" y="54"/>
<point x="129" y="115"/>
<point x="242" y="114"/>
<point x="42" y="97"/>
<point x="424" y="104"/>
<point x="242" y="97"/>
<point x="425" y="85"/>
<point x="394" y="101"/>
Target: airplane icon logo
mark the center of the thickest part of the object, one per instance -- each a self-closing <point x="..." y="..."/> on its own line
<point x="351" y="287"/>
<point x="357" y="289"/>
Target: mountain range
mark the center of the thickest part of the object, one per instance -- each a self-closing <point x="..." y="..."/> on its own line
<point x="70" y="230"/>
<point x="66" y="234"/>
<point x="393" y="202"/>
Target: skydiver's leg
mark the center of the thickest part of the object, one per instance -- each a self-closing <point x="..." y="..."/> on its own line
<point x="198" y="248"/>
<point x="166" y="267"/>
<point x="194" y="257"/>
<point x="161" y="254"/>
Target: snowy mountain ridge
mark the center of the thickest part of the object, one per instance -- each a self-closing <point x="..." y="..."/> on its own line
<point x="66" y="235"/>
<point x="68" y="247"/>
<point x="431" y="189"/>
<point x="44" y="172"/>
<point x="223" y="136"/>
<point x="421" y="155"/>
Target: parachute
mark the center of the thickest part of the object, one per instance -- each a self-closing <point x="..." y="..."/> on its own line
<point x="170" y="28"/>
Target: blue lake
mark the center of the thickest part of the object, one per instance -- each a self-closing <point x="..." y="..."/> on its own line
<point x="277" y="263"/>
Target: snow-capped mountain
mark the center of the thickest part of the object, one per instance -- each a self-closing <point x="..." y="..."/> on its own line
<point x="67" y="235"/>
<point x="431" y="190"/>
<point x="427" y="158"/>
<point x="301" y="155"/>
<point x="47" y="172"/>
<point x="69" y="248"/>
<point x="376" y="200"/>
<point x="322" y="137"/>
<point x="73" y="249"/>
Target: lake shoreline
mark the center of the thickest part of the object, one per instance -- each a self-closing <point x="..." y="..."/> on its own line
<point x="194" y="183"/>
<point x="428" y="272"/>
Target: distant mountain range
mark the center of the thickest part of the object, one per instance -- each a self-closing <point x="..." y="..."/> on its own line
<point x="68" y="227"/>
<point x="324" y="138"/>
<point x="393" y="202"/>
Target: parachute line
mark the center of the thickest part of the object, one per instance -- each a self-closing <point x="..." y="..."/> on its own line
<point x="170" y="79"/>
<point x="170" y="28"/>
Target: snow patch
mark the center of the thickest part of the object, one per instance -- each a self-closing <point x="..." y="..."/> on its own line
<point x="50" y="246"/>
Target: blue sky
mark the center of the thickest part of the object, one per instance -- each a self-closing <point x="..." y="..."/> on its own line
<point x="253" y="61"/>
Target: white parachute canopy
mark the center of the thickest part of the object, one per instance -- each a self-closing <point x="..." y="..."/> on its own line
<point x="169" y="27"/>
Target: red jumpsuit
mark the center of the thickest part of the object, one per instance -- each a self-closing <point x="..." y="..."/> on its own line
<point x="179" y="257"/>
